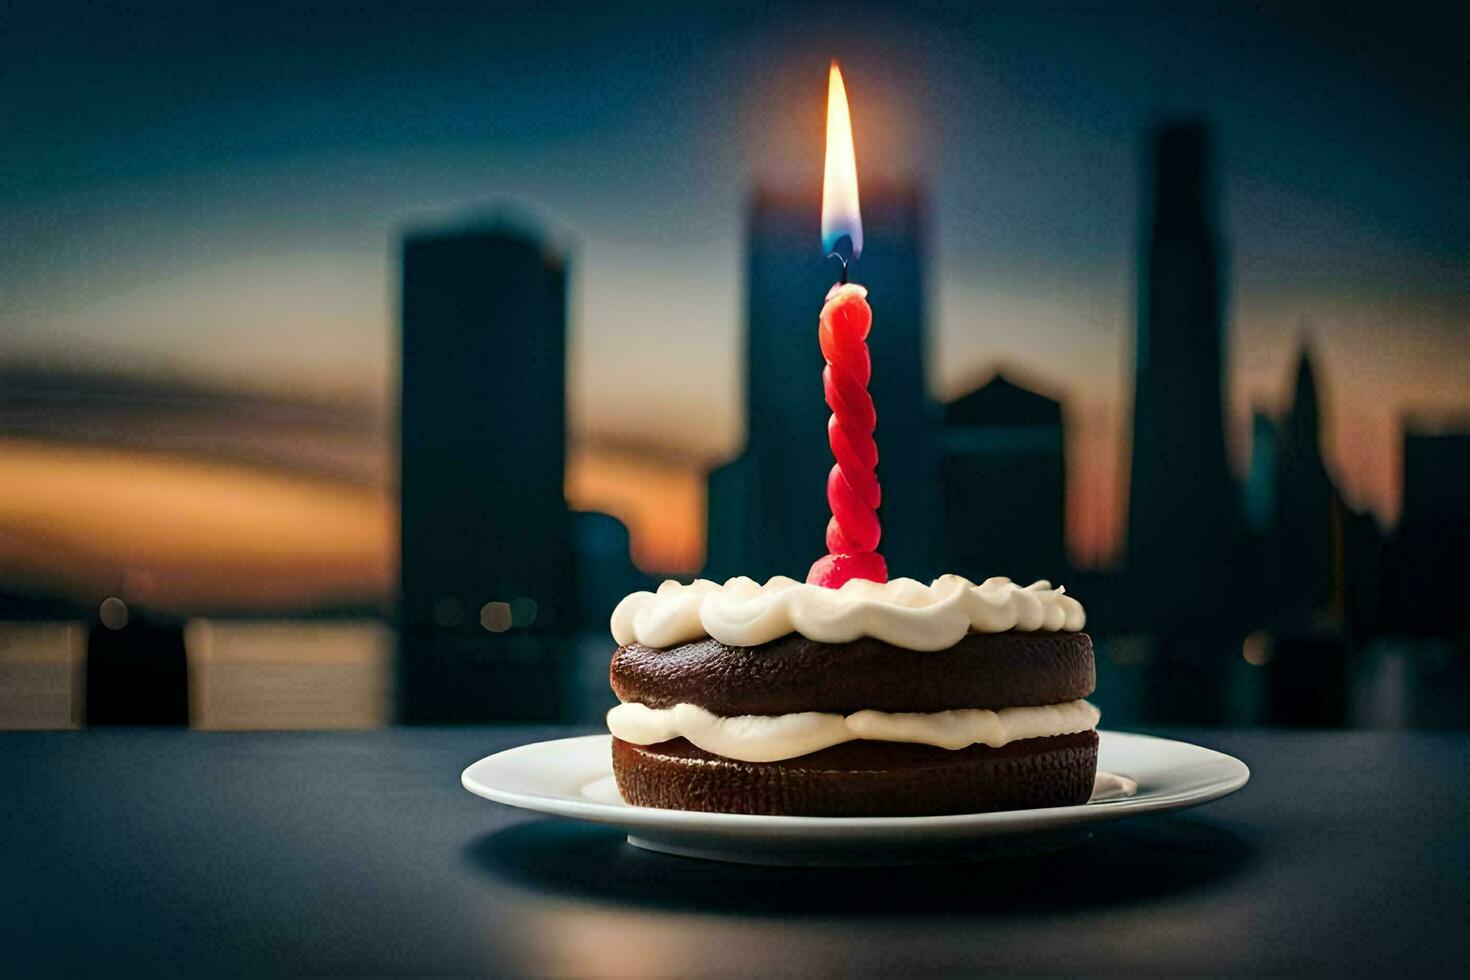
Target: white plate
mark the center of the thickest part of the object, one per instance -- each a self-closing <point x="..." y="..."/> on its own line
<point x="572" y="777"/>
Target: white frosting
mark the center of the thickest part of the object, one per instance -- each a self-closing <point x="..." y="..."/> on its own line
<point x="1106" y="787"/>
<point x="902" y="612"/>
<point x="771" y="738"/>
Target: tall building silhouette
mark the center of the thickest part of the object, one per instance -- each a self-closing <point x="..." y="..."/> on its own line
<point x="767" y="508"/>
<point x="1184" y="521"/>
<point x="487" y="585"/>
<point x="1302" y="578"/>
<point x="1003" y="484"/>
<point x="1304" y="545"/>
<point x="1433" y="535"/>
<point x="1187" y="568"/>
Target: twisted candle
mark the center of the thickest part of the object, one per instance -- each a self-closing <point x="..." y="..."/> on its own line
<point x="852" y="486"/>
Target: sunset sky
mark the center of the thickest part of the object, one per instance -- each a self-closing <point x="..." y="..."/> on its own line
<point x="221" y="195"/>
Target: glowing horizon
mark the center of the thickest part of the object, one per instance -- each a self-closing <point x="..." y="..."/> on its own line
<point x="253" y="239"/>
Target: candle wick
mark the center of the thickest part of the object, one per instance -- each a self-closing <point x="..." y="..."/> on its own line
<point x="842" y="281"/>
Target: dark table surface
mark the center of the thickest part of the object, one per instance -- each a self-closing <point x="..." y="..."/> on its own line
<point x="211" y="853"/>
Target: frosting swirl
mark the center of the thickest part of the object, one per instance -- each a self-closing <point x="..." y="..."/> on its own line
<point x="902" y="611"/>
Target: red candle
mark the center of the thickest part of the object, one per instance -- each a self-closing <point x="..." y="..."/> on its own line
<point x="852" y="486"/>
<point x="853" y="492"/>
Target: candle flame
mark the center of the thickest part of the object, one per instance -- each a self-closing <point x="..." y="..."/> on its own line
<point x="841" y="216"/>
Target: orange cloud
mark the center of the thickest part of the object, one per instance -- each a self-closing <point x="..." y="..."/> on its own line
<point x="184" y="535"/>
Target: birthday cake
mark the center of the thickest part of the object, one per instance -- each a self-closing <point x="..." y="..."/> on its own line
<point x="872" y="699"/>
<point x="850" y="694"/>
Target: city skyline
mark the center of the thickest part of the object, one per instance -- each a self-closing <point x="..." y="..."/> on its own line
<point x="483" y="514"/>
<point x="252" y="243"/>
<point x="608" y="469"/>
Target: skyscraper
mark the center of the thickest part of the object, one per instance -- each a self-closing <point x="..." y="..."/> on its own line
<point x="1303" y="570"/>
<point x="1304" y="552"/>
<point x="1003" y="484"/>
<point x="1184" y="516"/>
<point x="1433" y="535"/>
<point x="1187" y="569"/>
<point x="767" y="508"/>
<point x="487" y="588"/>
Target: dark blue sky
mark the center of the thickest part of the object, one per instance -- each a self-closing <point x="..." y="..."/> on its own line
<point x="221" y="193"/>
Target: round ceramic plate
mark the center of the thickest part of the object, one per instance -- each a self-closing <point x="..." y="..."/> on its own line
<point x="572" y="777"/>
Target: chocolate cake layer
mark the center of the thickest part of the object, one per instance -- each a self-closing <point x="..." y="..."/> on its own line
<point x="862" y="778"/>
<point x="983" y="670"/>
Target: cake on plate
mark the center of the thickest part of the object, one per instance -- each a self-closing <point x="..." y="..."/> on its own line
<point x="871" y="699"/>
